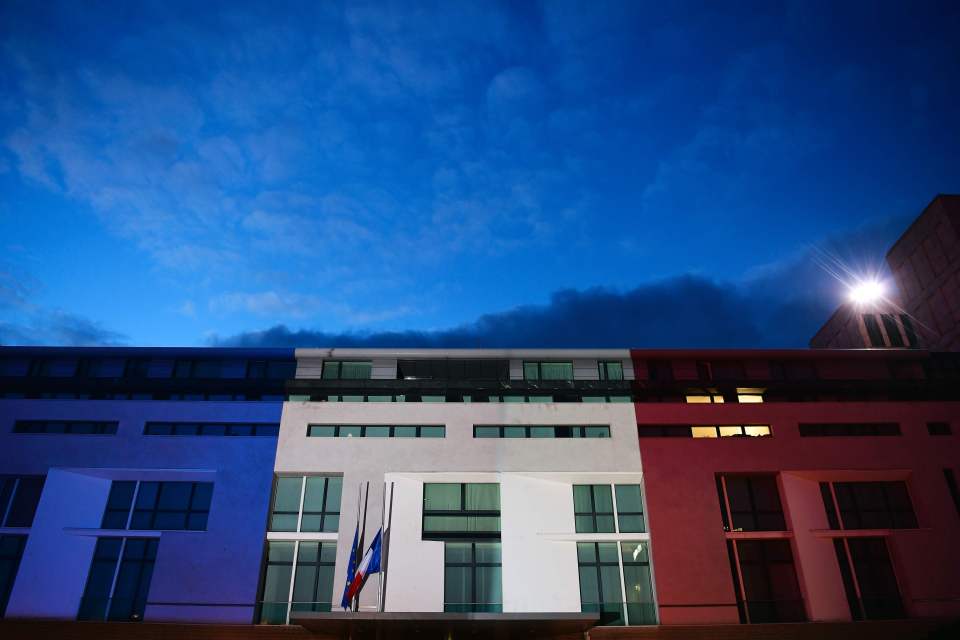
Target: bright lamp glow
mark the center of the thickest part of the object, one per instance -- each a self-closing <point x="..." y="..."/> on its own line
<point x="866" y="292"/>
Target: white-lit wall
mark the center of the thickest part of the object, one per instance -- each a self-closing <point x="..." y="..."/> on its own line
<point x="535" y="476"/>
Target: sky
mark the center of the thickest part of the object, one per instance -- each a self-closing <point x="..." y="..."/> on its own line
<point x="568" y="174"/>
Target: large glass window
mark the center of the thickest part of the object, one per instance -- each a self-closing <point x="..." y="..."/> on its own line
<point x="868" y="505"/>
<point x="19" y="497"/>
<point x="458" y="510"/>
<point x="593" y="508"/>
<point x="601" y="582"/>
<point x="839" y="429"/>
<point x="548" y="371"/>
<point x="172" y="506"/>
<point x="472" y="577"/>
<point x="11" y="551"/>
<point x="868" y="579"/>
<point x="346" y="370"/>
<point x="311" y="588"/>
<point x="211" y="429"/>
<point x="541" y="431"/>
<point x="375" y="431"/>
<point x="765" y="581"/>
<point x="306" y="503"/>
<point x="119" y="579"/>
<point x="750" y="503"/>
<point x="70" y="427"/>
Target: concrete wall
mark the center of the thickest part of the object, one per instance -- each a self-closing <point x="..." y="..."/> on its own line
<point x="538" y="540"/>
<point x="217" y="571"/>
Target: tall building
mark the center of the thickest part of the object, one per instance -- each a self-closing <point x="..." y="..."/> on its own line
<point x="924" y="310"/>
<point x="524" y="493"/>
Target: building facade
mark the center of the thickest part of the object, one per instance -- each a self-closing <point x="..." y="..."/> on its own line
<point x="640" y="487"/>
<point x="923" y="310"/>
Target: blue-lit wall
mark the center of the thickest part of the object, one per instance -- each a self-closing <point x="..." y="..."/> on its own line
<point x="199" y="576"/>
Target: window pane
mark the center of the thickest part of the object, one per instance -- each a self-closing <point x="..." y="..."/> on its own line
<point x="632" y="524"/>
<point x="175" y="495"/>
<point x="727" y="431"/>
<point x="602" y="498"/>
<point x="487" y="552"/>
<point x="482" y="497"/>
<point x="287" y="496"/>
<point x="704" y="432"/>
<point x="350" y="431"/>
<point x="581" y="498"/>
<point x="531" y="371"/>
<point x="488" y="586"/>
<point x="628" y="498"/>
<point x="377" y="432"/>
<point x="542" y="432"/>
<point x="757" y="430"/>
<point x="313" y="494"/>
<point x="556" y="370"/>
<point x="457" y="587"/>
<point x="514" y="432"/>
<point x="432" y="432"/>
<point x="355" y="370"/>
<point x="441" y="496"/>
<point x="404" y="432"/>
<point x="25" y="500"/>
<point x="331" y="370"/>
<point x="321" y="431"/>
<point x="334" y="489"/>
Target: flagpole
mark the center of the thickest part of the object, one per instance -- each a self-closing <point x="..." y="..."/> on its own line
<point x="383" y="511"/>
<point x="363" y="531"/>
<point x="385" y="543"/>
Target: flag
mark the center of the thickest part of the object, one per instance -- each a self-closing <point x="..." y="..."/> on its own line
<point x="351" y="569"/>
<point x="369" y="565"/>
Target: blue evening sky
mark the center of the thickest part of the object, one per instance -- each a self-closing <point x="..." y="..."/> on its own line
<point x="492" y="173"/>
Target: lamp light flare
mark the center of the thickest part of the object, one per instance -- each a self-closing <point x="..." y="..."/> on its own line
<point x="867" y="292"/>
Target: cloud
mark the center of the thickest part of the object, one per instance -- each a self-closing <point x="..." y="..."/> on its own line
<point x="781" y="304"/>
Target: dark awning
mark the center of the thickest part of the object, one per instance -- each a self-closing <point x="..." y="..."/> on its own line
<point x="363" y="625"/>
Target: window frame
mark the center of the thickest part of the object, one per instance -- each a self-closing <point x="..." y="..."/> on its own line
<point x="473" y="565"/>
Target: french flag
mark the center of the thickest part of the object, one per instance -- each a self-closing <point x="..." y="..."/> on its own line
<point x="347" y="595"/>
<point x="369" y="565"/>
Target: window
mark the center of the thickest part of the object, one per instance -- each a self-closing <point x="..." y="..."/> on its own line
<point x="611" y="370"/>
<point x="748" y="395"/>
<point x="893" y="331"/>
<point x="548" y="371"/>
<point x="868" y="579"/>
<point x="58" y="367"/>
<point x="119" y="579"/>
<point x="600" y="582"/>
<point x="750" y="503"/>
<point x="461" y="510"/>
<point x="453" y="369"/>
<point x="71" y="427"/>
<point x="868" y="505"/>
<point x="711" y="396"/>
<point x="765" y="581"/>
<point x="11" y="551"/>
<point x="939" y="428"/>
<point x="472" y="577"/>
<point x="593" y="508"/>
<point x="346" y="370"/>
<point x="951" y="479"/>
<point x="306" y="503"/>
<point x="725" y="431"/>
<point x="873" y="330"/>
<point x="826" y="429"/>
<point x="14" y="367"/>
<point x="509" y="431"/>
<point x="664" y="431"/>
<point x="19" y="497"/>
<point x="166" y="506"/>
<point x="909" y="330"/>
<point x="210" y="429"/>
<point x="309" y="580"/>
<point x="106" y="367"/>
<point x="375" y="431"/>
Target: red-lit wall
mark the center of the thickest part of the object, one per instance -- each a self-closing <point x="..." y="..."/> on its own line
<point x="691" y="567"/>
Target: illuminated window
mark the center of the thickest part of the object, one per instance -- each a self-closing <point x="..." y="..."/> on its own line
<point x="726" y="431"/>
<point x="710" y="396"/>
<point x="747" y="395"/>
